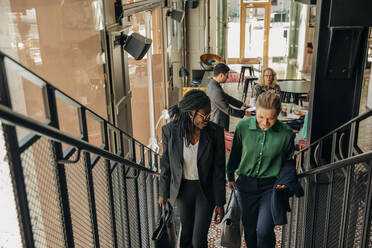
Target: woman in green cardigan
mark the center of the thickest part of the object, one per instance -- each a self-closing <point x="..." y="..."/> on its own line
<point x="260" y="146"/>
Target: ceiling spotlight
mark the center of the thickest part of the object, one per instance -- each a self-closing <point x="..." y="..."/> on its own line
<point x="135" y="44"/>
<point x="176" y="15"/>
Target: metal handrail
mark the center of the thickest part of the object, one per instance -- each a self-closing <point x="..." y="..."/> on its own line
<point x="367" y="156"/>
<point x="356" y="119"/>
<point x="12" y="118"/>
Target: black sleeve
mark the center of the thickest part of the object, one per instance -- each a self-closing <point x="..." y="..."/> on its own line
<point x="219" y="179"/>
<point x="164" y="182"/>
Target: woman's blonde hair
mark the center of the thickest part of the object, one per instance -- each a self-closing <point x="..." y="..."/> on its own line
<point x="261" y="80"/>
<point x="269" y="100"/>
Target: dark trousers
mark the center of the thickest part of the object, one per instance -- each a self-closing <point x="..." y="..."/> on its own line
<point x="195" y="214"/>
<point x="254" y="197"/>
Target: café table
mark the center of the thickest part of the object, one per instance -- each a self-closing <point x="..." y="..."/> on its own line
<point x="291" y="90"/>
<point x="291" y="115"/>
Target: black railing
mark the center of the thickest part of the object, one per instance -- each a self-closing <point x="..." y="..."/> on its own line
<point x="70" y="192"/>
<point x="337" y="179"/>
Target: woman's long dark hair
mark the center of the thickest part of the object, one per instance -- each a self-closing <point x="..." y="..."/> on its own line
<point x="179" y="113"/>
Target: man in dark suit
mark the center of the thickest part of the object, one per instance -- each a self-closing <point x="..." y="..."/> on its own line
<point x="220" y="101"/>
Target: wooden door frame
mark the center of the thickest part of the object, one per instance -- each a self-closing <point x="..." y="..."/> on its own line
<point x="243" y="17"/>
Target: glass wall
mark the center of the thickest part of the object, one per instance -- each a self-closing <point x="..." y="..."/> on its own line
<point x="61" y="42"/>
<point x="289" y="34"/>
<point x="233" y="33"/>
<point x="146" y="75"/>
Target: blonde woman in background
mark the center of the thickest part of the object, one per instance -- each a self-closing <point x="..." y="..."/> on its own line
<point x="266" y="82"/>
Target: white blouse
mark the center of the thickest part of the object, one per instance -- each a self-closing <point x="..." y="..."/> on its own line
<point x="190" y="161"/>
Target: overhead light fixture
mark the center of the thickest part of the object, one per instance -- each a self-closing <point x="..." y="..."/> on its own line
<point x="176" y="15"/>
<point x="135" y="44"/>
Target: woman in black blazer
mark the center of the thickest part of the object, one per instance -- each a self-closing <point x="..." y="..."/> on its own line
<point x="193" y="167"/>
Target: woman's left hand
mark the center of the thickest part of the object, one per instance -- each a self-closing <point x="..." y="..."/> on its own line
<point x="281" y="186"/>
<point x="218" y="214"/>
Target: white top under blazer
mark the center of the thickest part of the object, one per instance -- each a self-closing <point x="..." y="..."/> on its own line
<point x="190" y="163"/>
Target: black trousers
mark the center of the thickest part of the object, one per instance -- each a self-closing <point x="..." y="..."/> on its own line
<point x="195" y="214"/>
<point x="254" y="197"/>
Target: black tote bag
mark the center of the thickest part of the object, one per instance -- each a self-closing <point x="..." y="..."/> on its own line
<point x="164" y="235"/>
<point x="231" y="231"/>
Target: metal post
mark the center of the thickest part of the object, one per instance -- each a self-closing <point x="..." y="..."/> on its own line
<point x="328" y="209"/>
<point x="50" y="99"/>
<point x="345" y="207"/>
<point x="150" y="159"/>
<point x="133" y="146"/>
<point x="137" y="208"/>
<point x="311" y="211"/>
<point x="125" y="192"/>
<point x="142" y="154"/>
<point x="89" y="177"/>
<point x="333" y="149"/>
<point x="304" y="211"/>
<point x="110" y="193"/>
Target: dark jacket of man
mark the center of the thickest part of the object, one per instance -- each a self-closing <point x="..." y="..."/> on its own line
<point x="280" y="198"/>
<point x="220" y="103"/>
<point x="211" y="163"/>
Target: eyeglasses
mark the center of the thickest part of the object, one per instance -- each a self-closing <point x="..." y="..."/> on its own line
<point x="271" y="75"/>
<point x="206" y="117"/>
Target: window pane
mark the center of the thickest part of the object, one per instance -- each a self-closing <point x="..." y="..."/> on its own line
<point x="59" y="42"/>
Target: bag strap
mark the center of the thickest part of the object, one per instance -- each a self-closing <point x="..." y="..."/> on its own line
<point x="233" y="194"/>
<point x="166" y="211"/>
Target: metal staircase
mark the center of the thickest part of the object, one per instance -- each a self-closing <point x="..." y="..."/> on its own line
<point x="68" y="191"/>
<point x="336" y="175"/>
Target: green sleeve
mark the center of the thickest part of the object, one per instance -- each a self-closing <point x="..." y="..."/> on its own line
<point x="235" y="155"/>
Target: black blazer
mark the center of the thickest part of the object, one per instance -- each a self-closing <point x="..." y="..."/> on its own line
<point x="211" y="163"/>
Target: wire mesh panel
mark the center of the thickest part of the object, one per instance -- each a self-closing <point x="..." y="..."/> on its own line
<point x="151" y="203"/>
<point x="38" y="163"/>
<point x="79" y="205"/>
<point x="300" y="217"/>
<point x="143" y="211"/>
<point x="309" y="212"/>
<point x="102" y="204"/>
<point x="293" y="220"/>
<point x="338" y="184"/>
<point x="133" y="208"/>
<point x="320" y="209"/>
<point x="120" y="208"/>
<point x="156" y="194"/>
<point x="357" y="205"/>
